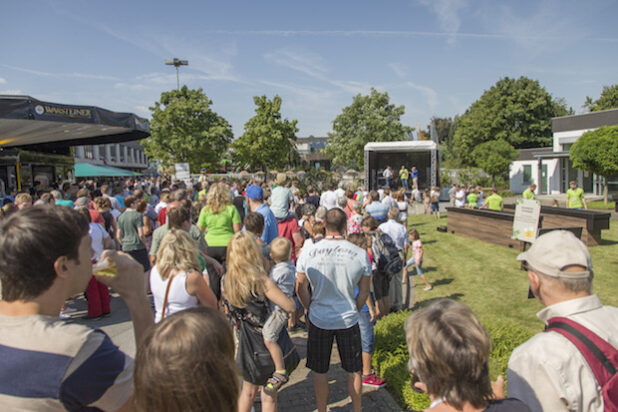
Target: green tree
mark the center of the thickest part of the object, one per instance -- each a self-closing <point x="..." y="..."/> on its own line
<point x="185" y="129"/>
<point x="494" y="157"/>
<point x="268" y="141"/>
<point x="518" y="111"/>
<point x="596" y="151"/>
<point x="370" y="118"/>
<point x="608" y="99"/>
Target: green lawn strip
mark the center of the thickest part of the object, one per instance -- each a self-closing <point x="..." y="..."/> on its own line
<point x="600" y="205"/>
<point x="489" y="280"/>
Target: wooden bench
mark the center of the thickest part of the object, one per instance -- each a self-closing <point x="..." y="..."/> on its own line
<point x="483" y="224"/>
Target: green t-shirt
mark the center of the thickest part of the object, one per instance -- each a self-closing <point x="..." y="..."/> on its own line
<point x="161" y="231"/>
<point x="495" y="202"/>
<point x="219" y="225"/>
<point x="575" y="198"/>
<point x="403" y="174"/>
<point x="128" y="222"/>
<point x="528" y="194"/>
<point x="473" y="199"/>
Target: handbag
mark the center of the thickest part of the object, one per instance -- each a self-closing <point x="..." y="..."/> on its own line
<point x="254" y="360"/>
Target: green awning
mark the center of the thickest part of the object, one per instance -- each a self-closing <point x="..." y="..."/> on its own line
<point x="90" y="170"/>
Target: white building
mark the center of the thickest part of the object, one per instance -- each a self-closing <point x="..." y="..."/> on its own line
<point x="127" y="155"/>
<point x="550" y="168"/>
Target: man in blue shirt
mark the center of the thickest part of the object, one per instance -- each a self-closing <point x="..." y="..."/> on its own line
<point x="376" y="209"/>
<point x="414" y="172"/>
<point x="255" y="202"/>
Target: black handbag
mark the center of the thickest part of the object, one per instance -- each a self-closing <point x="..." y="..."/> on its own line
<point x="253" y="359"/>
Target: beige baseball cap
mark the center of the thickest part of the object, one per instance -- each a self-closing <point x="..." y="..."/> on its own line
<point x="554" y="252"/>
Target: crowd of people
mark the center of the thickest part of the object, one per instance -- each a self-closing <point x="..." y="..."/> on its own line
<point x="195" y="263"/>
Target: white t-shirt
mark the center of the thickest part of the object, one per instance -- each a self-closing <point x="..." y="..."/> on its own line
<point x="387" y="173"/>
<point x="334" y="269"/>
<point x="329" y="199"/>
<point x="389" y="201"/>
<point x="396" y="231"/>
<point x="460" y="194"/>
<point x="98" y="235"/>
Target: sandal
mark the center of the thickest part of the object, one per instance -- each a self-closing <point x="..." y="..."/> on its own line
<point x="275" y="382"/>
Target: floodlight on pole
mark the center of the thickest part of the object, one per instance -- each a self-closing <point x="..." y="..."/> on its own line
<point x="177" y="63"/>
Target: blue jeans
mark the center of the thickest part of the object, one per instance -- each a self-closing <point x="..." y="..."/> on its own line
<point x="389" y="182"/>
<point x="404" y="183"/>
<point x="366" y="331"/>
<point x="419" y="266"/>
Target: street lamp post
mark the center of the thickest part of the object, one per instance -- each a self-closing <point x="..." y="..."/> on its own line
<point x="177" y="63"/>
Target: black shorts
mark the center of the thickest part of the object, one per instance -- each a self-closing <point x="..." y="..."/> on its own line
<point x="320" y="345"/>
<point x="381" y="284"/>
<point x="141" y="255"/>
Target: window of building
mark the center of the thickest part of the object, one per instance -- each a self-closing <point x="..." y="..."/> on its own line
<point x="527" y="174"/>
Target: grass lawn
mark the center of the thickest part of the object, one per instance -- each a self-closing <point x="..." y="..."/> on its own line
<point x="599" y="205"/>
<point x="487" y="277"/>
<point x="489" y="280"/>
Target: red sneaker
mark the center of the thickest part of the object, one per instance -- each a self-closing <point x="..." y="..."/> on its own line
<point x="373" y="381"/>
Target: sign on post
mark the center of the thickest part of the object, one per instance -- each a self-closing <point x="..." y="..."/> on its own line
<point x="526" y="221"/>
<point x="182" y="172"/>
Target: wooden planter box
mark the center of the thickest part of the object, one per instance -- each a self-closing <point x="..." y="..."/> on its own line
<point x="483" y="224"/>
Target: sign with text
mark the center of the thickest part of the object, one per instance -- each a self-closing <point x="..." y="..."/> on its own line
<point x="182" y="172"/>
<point x="526" y="221"/>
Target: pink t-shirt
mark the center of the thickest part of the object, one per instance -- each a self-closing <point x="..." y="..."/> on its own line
<point x="417" y="248"/>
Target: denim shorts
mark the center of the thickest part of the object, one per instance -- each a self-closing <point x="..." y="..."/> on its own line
<point x="419" y="267"/>
<point x="368" y="338"/>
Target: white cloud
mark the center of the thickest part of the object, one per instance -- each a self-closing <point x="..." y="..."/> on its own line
<point x="399" y="69"/>
<point x="73" y="75"/>
<point x="308" y="63"/>
<point x="11" y="91"/>
<point x="2" y="80"/>
<point x="430" y="94"/>
<point x="447" y="12"/>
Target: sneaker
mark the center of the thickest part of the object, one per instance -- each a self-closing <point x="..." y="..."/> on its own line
<point x="373" y="381"/>
<point x="428" y="288"/>
<point x="68" y="309"/>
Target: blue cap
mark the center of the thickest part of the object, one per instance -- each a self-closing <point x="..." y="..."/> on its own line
<point x="254" y="192"/>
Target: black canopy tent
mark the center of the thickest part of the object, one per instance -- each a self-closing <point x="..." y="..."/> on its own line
<point x="27" y="122"/>
<point x="28" y="126"/>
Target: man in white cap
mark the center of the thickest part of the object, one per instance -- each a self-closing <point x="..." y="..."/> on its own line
<point x="548" y="372"/>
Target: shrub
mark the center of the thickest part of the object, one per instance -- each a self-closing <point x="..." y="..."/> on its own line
<point x="391" y="355"/>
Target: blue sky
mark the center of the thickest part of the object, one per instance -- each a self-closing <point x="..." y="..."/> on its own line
<point x="435" y="57"/>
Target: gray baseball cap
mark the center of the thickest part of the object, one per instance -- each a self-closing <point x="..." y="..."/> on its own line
<point x="554" y="252"/>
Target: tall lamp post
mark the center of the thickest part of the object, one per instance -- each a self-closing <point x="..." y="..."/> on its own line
<point x="177" y="63"/>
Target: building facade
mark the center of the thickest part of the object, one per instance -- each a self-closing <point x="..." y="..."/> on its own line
<point x="311" y="150"/>
<point x="128" y="155"/>
<point x="551" y="169"/>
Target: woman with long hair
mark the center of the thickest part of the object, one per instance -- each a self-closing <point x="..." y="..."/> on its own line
<point x="176" y="275"/>
<point x="186" y="363"/>
<point x="219" y="219"/>
<point x="248" y="289"/>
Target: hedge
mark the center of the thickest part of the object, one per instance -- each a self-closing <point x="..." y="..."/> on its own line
<point x="391" y="355"/>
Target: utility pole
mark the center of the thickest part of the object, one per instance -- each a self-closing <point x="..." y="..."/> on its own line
<point x="177" y="63"/>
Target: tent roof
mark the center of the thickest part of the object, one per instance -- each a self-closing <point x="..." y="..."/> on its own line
<point x="403" y="146"/>
<point x="25" y="121"/>
<point x="90" y="170"/>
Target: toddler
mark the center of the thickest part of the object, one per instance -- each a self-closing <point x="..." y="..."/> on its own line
<point x="283" y="273"/>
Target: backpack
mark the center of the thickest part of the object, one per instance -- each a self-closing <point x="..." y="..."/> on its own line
<point x="600" y="355"/>
<point x="386" y="254"/>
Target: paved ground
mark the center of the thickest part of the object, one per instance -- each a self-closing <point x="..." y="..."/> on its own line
<point x="295" y="396"/>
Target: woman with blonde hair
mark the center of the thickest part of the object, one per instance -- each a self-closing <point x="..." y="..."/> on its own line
<point x="186" y="363"/>
<point x="220" y="220"/>
<point x="175" y="281"/>
<point x="449" y="359"/>
<point x="248" y="290"/>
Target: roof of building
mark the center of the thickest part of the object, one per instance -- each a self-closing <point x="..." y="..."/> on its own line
<point x="528" y="154"/>
<point x="584" y="121"/>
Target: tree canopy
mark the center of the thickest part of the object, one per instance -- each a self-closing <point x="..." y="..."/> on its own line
<point x="370" y="118"/>
<point x="596" y="151"/>
<point x="185" y="129"/>
<point x="268" y="141"/>
<point x="494" y="157"/>
<point x="517" y="111"/>
<point x="608" y="99"/>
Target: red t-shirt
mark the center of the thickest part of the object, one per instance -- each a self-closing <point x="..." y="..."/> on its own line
<point x="162" y="216"/>
<point x="287" y="228"/>
<point x="96" y="216"/>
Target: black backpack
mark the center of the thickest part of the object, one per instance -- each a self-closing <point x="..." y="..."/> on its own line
<point x="386" y="254"/>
